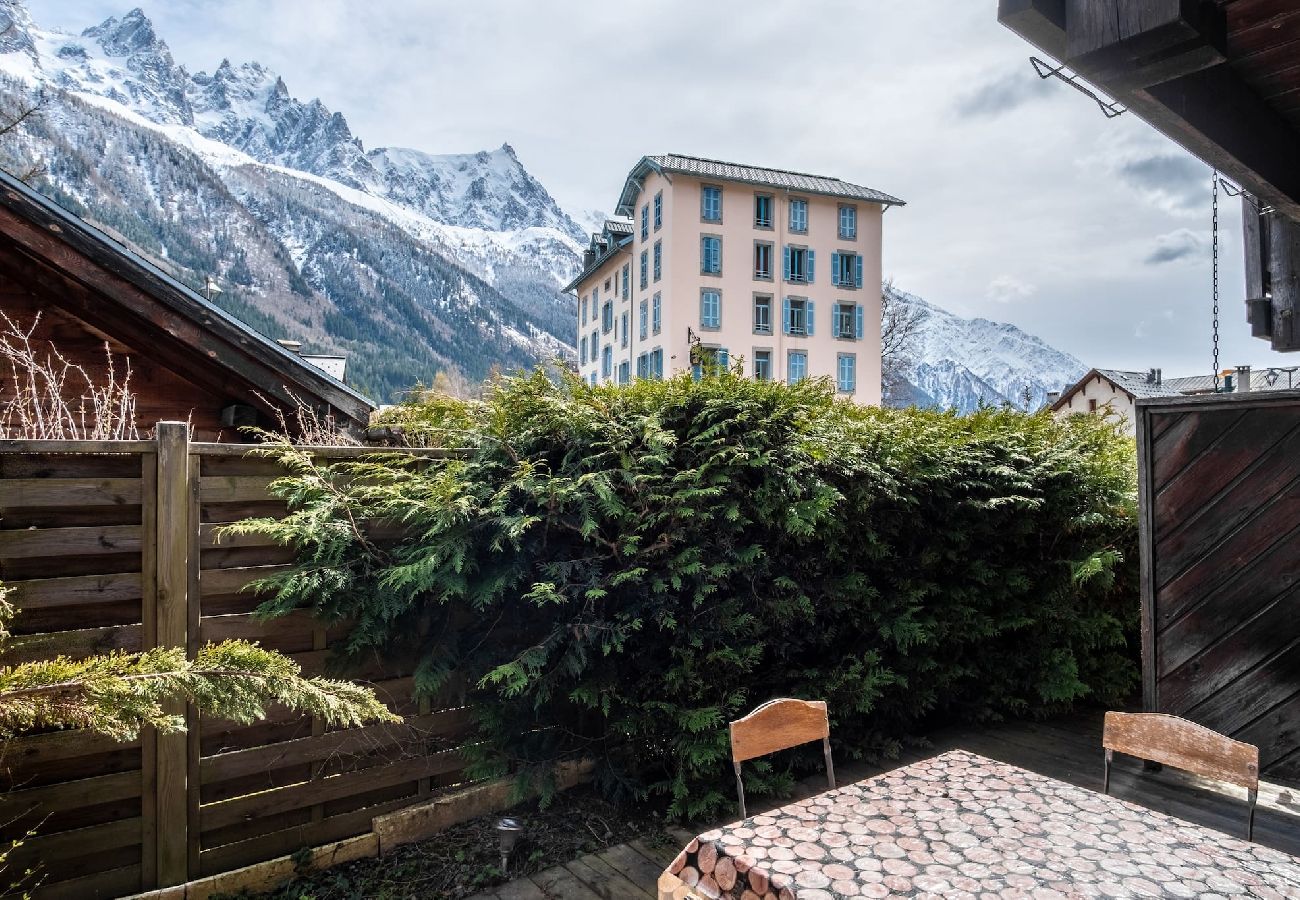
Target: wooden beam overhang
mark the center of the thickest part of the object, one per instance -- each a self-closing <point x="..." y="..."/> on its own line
<point x="1167" y="61"/>
<point x="1222" y="79"/>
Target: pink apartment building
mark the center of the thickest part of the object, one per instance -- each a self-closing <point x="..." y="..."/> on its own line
<point x="718" y="263"/>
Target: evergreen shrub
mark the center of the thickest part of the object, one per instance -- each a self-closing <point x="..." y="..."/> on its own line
<point x="619" y="571"/>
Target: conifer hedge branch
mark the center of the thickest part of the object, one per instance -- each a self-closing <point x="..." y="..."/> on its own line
<point x="116" y="694"/>
<point x="617" y="572"/>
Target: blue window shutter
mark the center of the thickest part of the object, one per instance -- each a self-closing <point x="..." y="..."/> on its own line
<point x="835" y="268"/>
<point x="785" y="306"/>
<point x="858" y="267"/>
<point x="697" y="371"/>
<point x="809" y="265"/>
<point x="787" y="262"/>
<point x="809" y="318"/>
<point x="723" y="359"/>
<point x="857" y="315"/>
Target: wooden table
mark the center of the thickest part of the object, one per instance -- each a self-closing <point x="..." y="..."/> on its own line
<point x="961" y="826"/>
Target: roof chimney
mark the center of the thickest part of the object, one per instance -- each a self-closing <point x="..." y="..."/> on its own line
<point x="1052" y="397"/>
<point x="291" y="346"/>
<point x="1243" y="378"/>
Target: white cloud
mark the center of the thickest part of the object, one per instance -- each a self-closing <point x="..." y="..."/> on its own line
<point x="1006" y="288"/>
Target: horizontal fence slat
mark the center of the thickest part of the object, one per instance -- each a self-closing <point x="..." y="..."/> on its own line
<point x="333" y="787"/>
<point x="209" y="449"/>
<point x="53" y="746"/>
<point x="69" y="492"/>
<point x="297" y="624"/>
<point x="76" y="590"/>
<point x="112" y="883"/>
<point x="211" y="537"/>
<point x="235" y="488"/>
<point x="371" y="738"/>
<point x="75" y="794"/>
<point x="65" y="492"/>
<point x="83" y="642"/>
<point x="49" y="848"/>
<point x="234" y="579"/>
<point x="75" y="447"/>
<point x="30" y="543"/>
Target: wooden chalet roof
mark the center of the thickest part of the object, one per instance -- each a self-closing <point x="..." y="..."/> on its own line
<point x="105" y="283"/>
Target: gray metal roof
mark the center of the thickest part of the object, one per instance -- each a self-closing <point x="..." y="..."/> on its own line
<point x="1140" y="386"/>
<point x="801" y="182"/>
<point x="618" y="226"/>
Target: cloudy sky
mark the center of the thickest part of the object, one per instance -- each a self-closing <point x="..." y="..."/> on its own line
<point x="1025" y="204"/>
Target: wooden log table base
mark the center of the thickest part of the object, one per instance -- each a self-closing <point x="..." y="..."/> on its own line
<point x="961" y="827"/>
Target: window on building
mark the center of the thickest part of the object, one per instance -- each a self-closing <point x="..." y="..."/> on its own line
<point x="624" y="372"/>
<point x="607" y="318"/>
<point x="848" y="223"/>
<point x="762" y="211"/>
<point x="846" y="270"/>
<point x="799" y="216"/>
<point x="763" y="365"/>
<point x="711" y="255"/>
<point x="657" y="363"/>
<point x="627" y="279"/>
<point x="847" y="321"/>
<point x="623" y="325"/>
<point x="709" y="361"/>
<point x="799" y="265"/>
<point x="846" y="373"/>
<point x="762" y="314"/>
<point x="607" y="285"/>
<point x="1092" y="405"/>
<point x="584" y="310"/>
<point x="796" y="366"/>
<point x="645" y="222"/>
<point x="593" y="379"/>
<point x="711" y="203"/>
<point x="659" y="210"/>
<point x="710" y="308"/>
<point x="582" y="351"/>
<point x="645" y="269"/>
<point x="644" y="330"/>
<point x="762" y="259"/>
<point x="643" y="365"/>
<point x="606" y="361"/>
<point x="657" y="314"/>
<point x="798" y="316"/>
<point x="659" y="260"/>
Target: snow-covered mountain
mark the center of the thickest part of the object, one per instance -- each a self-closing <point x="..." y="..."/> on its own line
<point x="408" y="261"/>
<point x="961" y="363"/>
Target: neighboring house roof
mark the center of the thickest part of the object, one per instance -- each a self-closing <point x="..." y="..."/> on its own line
<point x="128" y="286"/>
<point x="1141" y="385"/>
<point x="800" y="182"/>
<point x="618" y="226"/>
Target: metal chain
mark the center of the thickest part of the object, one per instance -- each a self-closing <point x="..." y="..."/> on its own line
<point x="1215" y="242"/>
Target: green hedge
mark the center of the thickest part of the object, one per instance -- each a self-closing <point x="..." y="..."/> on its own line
<point x="620" y="571"/>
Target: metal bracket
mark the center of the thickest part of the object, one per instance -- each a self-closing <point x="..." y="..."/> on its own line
<point x="1044" y="70"/>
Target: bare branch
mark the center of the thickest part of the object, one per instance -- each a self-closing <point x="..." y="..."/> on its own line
<point x="900" y="334"/>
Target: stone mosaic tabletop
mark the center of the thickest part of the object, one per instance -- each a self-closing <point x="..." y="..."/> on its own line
<point x="959" y="826"/>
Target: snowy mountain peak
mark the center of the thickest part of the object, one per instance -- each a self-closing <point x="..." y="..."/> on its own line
<point x="16" y="28"/>
<point x="962" y="363"/>
<point x="131" y="34"/>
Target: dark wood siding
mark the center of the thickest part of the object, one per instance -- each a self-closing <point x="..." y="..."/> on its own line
<point x="1220" y="493"/>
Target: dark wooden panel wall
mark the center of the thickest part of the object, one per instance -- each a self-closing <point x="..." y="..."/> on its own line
<point x="1219" y="478"/>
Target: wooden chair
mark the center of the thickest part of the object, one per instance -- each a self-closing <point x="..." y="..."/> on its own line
<point x="1184" y="745"/>
<point x="779" y="725"/>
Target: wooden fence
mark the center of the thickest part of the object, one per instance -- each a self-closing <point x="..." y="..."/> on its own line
<point x="115" y="545"/>
<point x="1219" y="482"/>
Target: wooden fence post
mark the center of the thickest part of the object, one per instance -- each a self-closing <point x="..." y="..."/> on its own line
<point x="172" y="512"/>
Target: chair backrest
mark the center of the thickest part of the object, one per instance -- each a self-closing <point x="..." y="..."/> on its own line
<point x="1184" y="745"/>
<point x="778" y="725"/>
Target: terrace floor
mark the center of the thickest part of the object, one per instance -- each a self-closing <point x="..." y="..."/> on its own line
<point x="1068" y="749"/>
